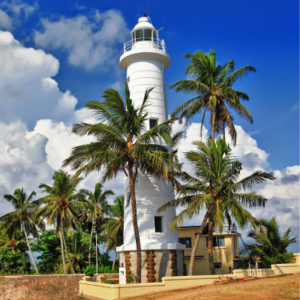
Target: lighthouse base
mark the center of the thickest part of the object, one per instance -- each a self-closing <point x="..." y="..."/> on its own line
<point x="155" y="264"/>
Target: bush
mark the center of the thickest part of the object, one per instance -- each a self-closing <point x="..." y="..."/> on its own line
<point x="90" y="270"/>
<point x="109" y="282"/>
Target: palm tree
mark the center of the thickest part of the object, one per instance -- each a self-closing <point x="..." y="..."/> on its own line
<point x="78" y="253"/>
<point x="269" y="245"/>
<point x="97" y="207"/>
<point x="114" y="227"/>
<point x="123" y="145"/>
<point x="62" y="205"/>
<point x="16" y="244"/>
<point x="212" y="86"/>
<point x="22" y="217"/>
<point x="216" y="189"/>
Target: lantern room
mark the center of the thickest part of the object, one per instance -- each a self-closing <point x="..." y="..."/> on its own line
<point x="144" y="31"/>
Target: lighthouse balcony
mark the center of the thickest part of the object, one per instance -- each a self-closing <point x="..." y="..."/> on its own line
<point x="143" y="43"/>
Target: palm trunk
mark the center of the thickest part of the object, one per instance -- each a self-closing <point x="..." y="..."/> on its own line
<point x="62" y="252"/>
<point x="91" y="237"/>
<point x="29" y="248"/>
<point x="223" y="127"/>
<point x="66" y="249"/>
<point x="135" y="225"/>
<point x="2" y="266"/>
<point x="213" y="125"/>
<point x="193" y="254"/>
<point x="210" y="245"/>
<point x="115" y="257"/>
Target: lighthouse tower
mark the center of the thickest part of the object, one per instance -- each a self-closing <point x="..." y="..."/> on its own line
<point x="145" y="59"/>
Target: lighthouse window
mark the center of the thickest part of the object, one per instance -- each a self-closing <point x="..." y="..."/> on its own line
<point x="147" y="34"/>
<point x="158" y="224"/>
<point x="153" y="123"/>
<point x="139" y="35"/>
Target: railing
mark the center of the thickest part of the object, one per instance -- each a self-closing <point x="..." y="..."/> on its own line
<point x="227" y="228"/>
<point x="155" y="43"/>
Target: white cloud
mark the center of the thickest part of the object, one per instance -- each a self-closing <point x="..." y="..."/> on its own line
<point x="13" y="11"/>
<point x="18" y="7"/>
<point x="27" y="90"/>
<point x="5" y="21"/>
<point x="90" y="42"/>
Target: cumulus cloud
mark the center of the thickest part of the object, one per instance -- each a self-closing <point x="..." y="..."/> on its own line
<point x="27" y="90"/>
<point x="5" y="21"/>
<point x="90" y="42"/>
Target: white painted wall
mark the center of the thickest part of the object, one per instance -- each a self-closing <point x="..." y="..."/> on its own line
<point x="145" y="66"/>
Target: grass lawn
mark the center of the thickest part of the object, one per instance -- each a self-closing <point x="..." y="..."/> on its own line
<point x="283" y="287"/>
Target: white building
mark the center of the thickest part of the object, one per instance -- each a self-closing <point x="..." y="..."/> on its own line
<point x="145" y="59"/>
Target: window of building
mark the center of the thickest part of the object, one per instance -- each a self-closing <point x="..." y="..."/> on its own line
<point x="186" y="241"/>
<point x="153" y="123"/>
<point x="218" y="265"/>
<point x="158" y="224"/>
<point x="218" y="241"/>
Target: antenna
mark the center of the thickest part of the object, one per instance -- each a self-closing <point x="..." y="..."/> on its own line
<point x="148" y="9"/>
<point x="160" y="29"/>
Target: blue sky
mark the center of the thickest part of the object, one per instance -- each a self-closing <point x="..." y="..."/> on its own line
<point x="264" y="34"/>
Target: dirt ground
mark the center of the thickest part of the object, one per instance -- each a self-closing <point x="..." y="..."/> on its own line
<point x="283" y="287"/>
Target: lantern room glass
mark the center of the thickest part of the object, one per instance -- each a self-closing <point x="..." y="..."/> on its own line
<point x="143" y="34"/>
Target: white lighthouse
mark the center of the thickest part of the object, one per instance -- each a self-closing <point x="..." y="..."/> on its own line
<point x="145" y="59"/>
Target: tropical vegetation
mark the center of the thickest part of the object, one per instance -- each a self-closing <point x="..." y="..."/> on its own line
<point x="97" y="207"/>
<point x="268" y="244"/>
<point x="124" y="145"/>
<point x="216" y="188"/>
<point x="23" y="217"/>
<point x="211" y="84"/>
<point x="62" y="205"/>
<point x="114" y="227"/>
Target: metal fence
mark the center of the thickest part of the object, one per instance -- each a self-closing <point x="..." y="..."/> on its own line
<point x="154" y="43"/>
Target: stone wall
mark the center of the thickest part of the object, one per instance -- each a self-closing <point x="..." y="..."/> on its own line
<point x="40" y="287"/>
<point x="156" y="264"/>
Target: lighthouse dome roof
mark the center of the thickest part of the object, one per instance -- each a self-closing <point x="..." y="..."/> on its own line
<point x="143" y="22"/>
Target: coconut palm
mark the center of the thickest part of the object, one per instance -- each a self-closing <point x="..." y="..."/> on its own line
<point x="96" y="208"/>
<point x="62" y="205"/>
<point x="23" y="217"/>
<point x="114" y="227"/>
<point x="212" y="86"/>
<point x="123" y="145"/>
<point x="16" y="245"/>
<point x="78" y="253"/>
<point x="216" y="189"/>
<point x="269" y="245"/>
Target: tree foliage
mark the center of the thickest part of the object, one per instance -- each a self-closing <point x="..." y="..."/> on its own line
<point x="268" y="244"/>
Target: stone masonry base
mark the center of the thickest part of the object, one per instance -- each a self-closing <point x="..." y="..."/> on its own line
<point x="155" y="264"/>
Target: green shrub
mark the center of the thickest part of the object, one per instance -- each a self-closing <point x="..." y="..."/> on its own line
<point x="90" y="270"/>
<point x="109" y="282"/>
